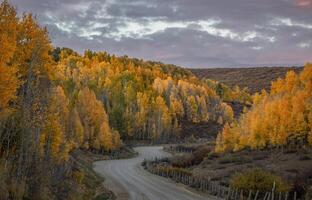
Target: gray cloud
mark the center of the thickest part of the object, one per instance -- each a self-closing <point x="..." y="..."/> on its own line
<point x="198" y="33"/>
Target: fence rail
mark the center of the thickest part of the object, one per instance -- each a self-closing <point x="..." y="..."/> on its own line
<point x="180" y="149"/>
<point x="214" y="187"/>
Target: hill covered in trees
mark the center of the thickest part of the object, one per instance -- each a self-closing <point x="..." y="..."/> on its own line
<point x="143" y="100"/>
<point x="255" y="79"/>
<point x="55" y="101"/>
<point x="278" y="118"/>
<point x="269" y="143"/>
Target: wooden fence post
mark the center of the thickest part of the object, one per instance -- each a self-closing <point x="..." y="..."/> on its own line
<point x="273" y="190"/>
<point x="269" y="195"/>
<point x="228" y="194"/>
<point x="265" y="196"/>
<point x="233" y="194"/>
<point x="249" y="195"/>
<point x="256" y="196"/>
<point x="219" y="190"/>
<point x="236" y="193"/>
<point x="241" y="195"/>
<point x="212" y="187"/>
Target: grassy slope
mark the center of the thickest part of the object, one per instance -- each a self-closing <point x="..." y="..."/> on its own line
<point x="255" y="79"/>
<point x="294" y="166"/>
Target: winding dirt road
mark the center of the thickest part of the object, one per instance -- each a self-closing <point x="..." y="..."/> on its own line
<point x="128" y="180"/>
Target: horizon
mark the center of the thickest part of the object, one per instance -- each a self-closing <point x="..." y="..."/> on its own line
<point x="204" y="34"/>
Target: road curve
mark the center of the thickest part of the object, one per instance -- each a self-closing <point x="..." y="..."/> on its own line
<point x="128" y="180"/>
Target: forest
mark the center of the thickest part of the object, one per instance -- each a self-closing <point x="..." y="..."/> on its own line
<point x="55" y="101"/>
<point x="276" y="119"/>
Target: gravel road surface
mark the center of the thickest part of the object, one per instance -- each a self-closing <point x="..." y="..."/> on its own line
<point x="128" y="180"/>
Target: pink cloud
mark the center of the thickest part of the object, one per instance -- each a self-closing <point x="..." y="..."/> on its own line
<point x="304" y="3"/>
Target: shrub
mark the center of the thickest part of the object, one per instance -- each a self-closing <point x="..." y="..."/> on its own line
<point x="212" y="155"/>
<point x="258" y="179"/>
<point x="200" y="153"/>
<point x="260" y="157"/>
<point x="226" y="160"/>
<point x="182" y="160"/>
<point x="305" y="157"/>
<point x="234" y="159"/>
<point x="188" y="160"/>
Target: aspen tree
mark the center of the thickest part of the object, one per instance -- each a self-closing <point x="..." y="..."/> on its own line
<point x="276" y="118"/>
<point x="9" y="82"/>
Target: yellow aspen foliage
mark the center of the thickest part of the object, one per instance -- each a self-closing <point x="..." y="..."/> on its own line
<point x="129" y="89"/>
<point x="53" y="138"/>
<point x="202" y="107"/>
<point x="176" y="107"/>
<point x="8" y="31"/>
<point x="8" y="73"/>
<point x="236" y="92"/>
<point x="94" y="119"/>
<point x="143" y="110"/>
<point x="163" y="118"/>
<point x="292" y="81"/>
<point x="276" y="118"/>
<point x="306" y="76"/>
<point x="192" y="109"/>
<point x="32" y="51"/>
<point x="298" y="121"/>
<point x="60" y="104"/>
<point x="116" y="140"/>
<point x="228" y="94"/>
<point x="166" y="120"/>
<point x="8" y="86"/>
<point x="105" y="137"/>
<point x="256" y="98"/>
<point x="277" y="86"/>
<point x="309" y="107"/>
<point x="228" y="114"/>
<point x="76" y="129"/>
<point x="225" y="140"/>
<point x="158" y="86"/>
<point x="257" y="139"/>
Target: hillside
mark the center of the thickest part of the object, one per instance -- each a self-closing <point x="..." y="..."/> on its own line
<point x="255" y="79"/>
<point x="55" y="101"/>
<point x="61" y="111"/>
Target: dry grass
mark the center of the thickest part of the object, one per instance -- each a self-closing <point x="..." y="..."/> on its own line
<point x="293" y="166"/>
<point x="255" y="79"/>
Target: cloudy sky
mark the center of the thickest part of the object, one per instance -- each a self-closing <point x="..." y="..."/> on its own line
<point x="190" y="33"/>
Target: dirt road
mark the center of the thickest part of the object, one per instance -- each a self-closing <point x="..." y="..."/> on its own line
<point x="128" y="180"/>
